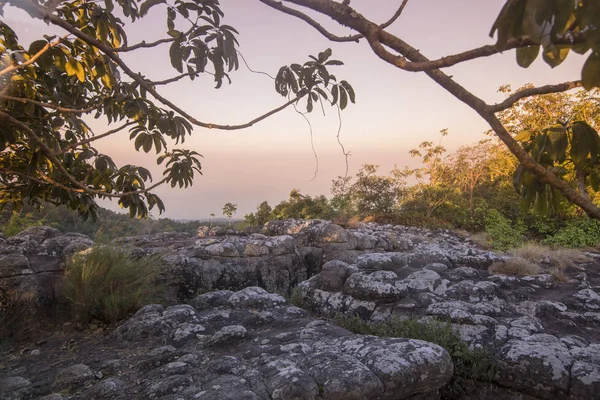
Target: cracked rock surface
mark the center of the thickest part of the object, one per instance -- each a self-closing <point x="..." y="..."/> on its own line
<point x="249" y="344"/>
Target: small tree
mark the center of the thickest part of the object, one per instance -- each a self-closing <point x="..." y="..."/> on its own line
<point x="212" y="215"/>
<point x="228" y="210"/>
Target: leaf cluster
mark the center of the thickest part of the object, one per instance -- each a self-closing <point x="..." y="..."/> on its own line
<point x="556" y="27"/>
<point x="313" y="78"/>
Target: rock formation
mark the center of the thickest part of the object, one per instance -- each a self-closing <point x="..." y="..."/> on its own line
<point x="240" y="341"/>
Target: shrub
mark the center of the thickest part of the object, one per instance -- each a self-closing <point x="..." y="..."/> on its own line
<point x="471" y="366"/>
<point x="580" y="232"/>
<point x="107" y="283"/>
<point x="18" y="223"/>
<point x="503" y="235"/>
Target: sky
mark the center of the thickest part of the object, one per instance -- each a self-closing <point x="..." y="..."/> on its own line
<point x="394" y="112"/>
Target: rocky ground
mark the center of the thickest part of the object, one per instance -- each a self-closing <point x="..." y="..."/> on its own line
<point x="239" y="341"/>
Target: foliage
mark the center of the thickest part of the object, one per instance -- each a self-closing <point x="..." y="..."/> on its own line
<point x="503" y="235"/>
<point x="228" y="210"/>
<point x="107" y="283"/>
<point x="18" y="223"/>
<point x="553" y="130"/>
<point x="108" y="226"/>
<point x="49" y="87"/>
<point x="368" y="194"/>
<point x="470" y="366"/>
<point x="556" y="27"/>
<point x="580" y="232"/>
<point x="262" y="215"/>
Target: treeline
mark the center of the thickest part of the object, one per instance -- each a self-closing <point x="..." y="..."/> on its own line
<point x="108" y="226"/>
<point x="472" y="189"/>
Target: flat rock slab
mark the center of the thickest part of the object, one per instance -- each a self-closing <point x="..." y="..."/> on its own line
<point x="249" y="344"/>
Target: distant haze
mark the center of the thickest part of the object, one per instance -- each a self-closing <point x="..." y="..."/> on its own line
<point x="395" y="110"/>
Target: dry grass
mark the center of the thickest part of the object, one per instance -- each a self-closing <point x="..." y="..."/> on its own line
<point x="560" y="258"/>
<point x="532" y="259"/>
<point x="515" y="266"/>
<point x="559" y="275"/>
<point x="15" y="307"/>
<point x="480" y="239"/>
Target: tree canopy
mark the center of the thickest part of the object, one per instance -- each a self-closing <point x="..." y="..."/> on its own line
<point x="48" y="87"/>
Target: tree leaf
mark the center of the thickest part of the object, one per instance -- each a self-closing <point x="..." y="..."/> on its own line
<point x="524" y="136"/>
<point x="175" y="55"/>
<point x="527" y="55"/>
<point x="343" y="98"/>
<point x="580" y="144"/>
<point x="590" y="74"/>
<point x="541" y="203"/>
<point x="555" y="55"/>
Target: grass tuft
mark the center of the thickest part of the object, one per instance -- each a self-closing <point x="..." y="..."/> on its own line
<point x="107" y="284"/>
<point x="15" y="308"/>
<point x="515" y="266"/>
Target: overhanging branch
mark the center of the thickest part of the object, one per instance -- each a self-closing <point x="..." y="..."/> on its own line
<point x="511" y="100"/>
<point x="334" y="38"/>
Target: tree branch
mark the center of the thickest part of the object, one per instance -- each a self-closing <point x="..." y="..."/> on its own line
<point x="143" y="44"/>
<point x="110" y="52"/>
<point x="48" y="105"/>
<point x="33" y="58"/>
<point x="511" y="100"/>
<point x="377" y="38"/>
<point x="45" y="179"/>
<point x="399" y="60"/>
<point x="79" y="186"/>
<point x="334" y="38"/>
<point x="171" y="80"/>
<point x="96" y="137"/>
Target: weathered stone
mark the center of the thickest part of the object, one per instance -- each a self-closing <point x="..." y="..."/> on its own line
<point x="379" y="285"/>
<point x="540" y="369"/>
<point x="15" y="388"/>
<point x="72" y="377"/>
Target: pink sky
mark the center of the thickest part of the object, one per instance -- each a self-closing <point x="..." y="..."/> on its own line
<point x="395" y="110"/>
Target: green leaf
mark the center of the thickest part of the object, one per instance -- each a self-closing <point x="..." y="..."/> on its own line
<point x="139" y="141"/>
<point x="147" y="5"/>
<point x="541" y="203"/>
<point x="343" y="98"/>
<point x="349" y="90"/>
<point x="527" y="55"/>
<point x="580" y="144"/>
<point x="560" y="143"/>
<point x="590" y="75"/>
<point x="175" y="55"/>
<point x="524" y="136"/>
<point x="594" y="181"/>
<point x="555" y="55"/>
<point x="147" y="146"/>
<point x="517" y="178"/>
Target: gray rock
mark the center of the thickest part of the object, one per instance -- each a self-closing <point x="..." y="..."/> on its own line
<point x="376" y="286"/>
<point x="72" y="377"/>
<point x="228" y="334"/>
<point x="15" y="388"/>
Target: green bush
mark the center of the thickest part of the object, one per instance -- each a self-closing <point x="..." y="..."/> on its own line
<point x="470" y="366"/>
<point x="580" y="232"/>
<point x="503" y="235"/>
<point x="18" y="223"/>
<point x="107" y="284"/>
